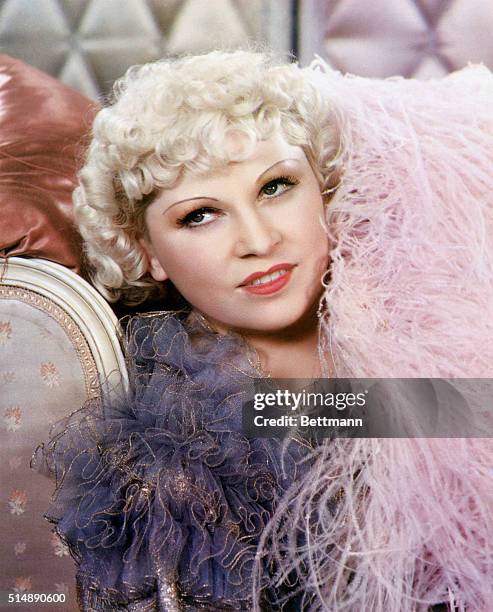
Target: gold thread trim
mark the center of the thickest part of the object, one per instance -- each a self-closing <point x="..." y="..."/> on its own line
<point x="71" y="329"/>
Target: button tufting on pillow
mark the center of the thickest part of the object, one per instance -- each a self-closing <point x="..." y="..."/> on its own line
<point x="42" y="123"/>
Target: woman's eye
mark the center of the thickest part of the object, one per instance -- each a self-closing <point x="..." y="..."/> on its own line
<point x="200" y="216"/>
<point x="278" y="186"/>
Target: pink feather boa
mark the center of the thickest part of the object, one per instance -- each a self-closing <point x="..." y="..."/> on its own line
<point x="410" y="294"/>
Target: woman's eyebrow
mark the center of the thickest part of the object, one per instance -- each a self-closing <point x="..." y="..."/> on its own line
<point x="189" y="200"/>
<point x="282" y="161"/>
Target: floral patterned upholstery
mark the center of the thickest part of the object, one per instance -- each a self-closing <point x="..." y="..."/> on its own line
<point x="57" y="345"/>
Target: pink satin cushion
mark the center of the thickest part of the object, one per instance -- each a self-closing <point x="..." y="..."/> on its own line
<point x="42" y="123"/>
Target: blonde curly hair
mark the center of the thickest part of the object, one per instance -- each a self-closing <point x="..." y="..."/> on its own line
<point x="173" y="116"/>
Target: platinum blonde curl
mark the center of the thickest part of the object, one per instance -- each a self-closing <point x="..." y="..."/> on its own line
<point x="174" y="116"/>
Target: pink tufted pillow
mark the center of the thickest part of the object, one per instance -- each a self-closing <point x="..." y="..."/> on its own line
<point x="42" y="122"/>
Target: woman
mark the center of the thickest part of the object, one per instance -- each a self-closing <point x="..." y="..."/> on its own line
<point x="312" y="226"/>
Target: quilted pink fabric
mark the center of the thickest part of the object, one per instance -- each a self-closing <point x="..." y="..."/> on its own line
<point x="420" y="38"/>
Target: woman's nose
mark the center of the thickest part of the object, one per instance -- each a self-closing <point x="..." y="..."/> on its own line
<point x="255" y="235"/>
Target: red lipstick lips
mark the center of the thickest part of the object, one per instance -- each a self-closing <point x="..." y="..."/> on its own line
<point x="271" y="285"/>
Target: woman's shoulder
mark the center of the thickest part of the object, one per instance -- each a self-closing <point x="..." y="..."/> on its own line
<point x="175" y="492"/>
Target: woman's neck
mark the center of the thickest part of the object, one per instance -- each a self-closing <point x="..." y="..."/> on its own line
<point x="291" y="353"/>
<point x="288" y="357"/>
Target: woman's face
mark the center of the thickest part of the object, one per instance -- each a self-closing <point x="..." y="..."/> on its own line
<point x="245" y="245"/>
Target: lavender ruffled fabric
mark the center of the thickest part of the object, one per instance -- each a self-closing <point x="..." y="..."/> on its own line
<point x="162" y="488"/>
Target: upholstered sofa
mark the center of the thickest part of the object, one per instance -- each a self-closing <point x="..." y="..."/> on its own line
<point x="58" y="349"/>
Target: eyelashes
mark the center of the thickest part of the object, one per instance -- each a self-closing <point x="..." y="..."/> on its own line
<point x="204" y="215"/>
<point x="196" y="217"/>
<point x="285" y="181"/>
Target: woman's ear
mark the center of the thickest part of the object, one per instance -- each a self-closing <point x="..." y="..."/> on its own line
<point x="154" y="266"/>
